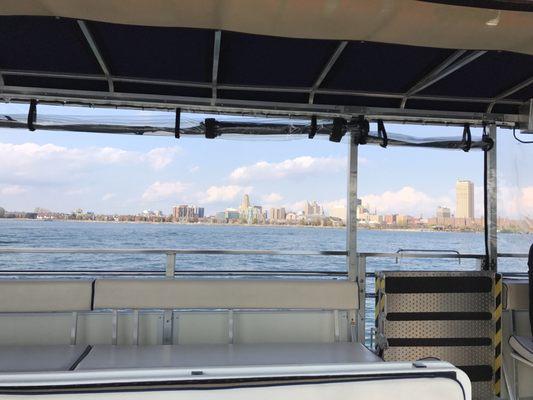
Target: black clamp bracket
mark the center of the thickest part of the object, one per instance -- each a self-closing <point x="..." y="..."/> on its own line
<point x="363" y="128"/>
<point x="314" y="127"/>
<point x="177" y="123"/>
<point x="211" y="128"/>
<point x="382" y="134"/>
<point x="338" y="130"/>
<point x="32" y="115"/>
<point x="467" y="139"/>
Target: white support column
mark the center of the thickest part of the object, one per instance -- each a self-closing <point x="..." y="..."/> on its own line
<point x="492" y="201"/>
<point x="356" y="268"/>
<point x="351" y="231"/>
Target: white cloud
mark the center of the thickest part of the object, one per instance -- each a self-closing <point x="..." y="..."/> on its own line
<point x="12" y="190"/>
<point x="515" y="202"/>
<point x="108" y="196"/>
<point x="38" y="164"/>
<point x="264" y="170"/>
<point x="194" y="168"/>
<point x="160" y="157"/>
<point x="216" y="194"/>
<point x="339" y="203"/>
<point x="407" y="200"/>
<point x="272" y="198"/>
<point x="163" y="190"/>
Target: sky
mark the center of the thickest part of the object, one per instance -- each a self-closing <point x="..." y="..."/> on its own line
<point x="105" y="173"/>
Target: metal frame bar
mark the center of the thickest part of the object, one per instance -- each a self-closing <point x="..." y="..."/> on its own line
<point x="96" y="51"/>
<point x="74" y="328"/>
<point x="168" y="319"/>
<point x="114" y="326"/>
<point x="257" y="88"/>
<point x="492" y="201"/>
<point x="216" y="58"/>
<point x="509" y="92"/>
<point x="238" y="107"/>
<point x="451" y="64"/>
<point x="135" y="331"/>
<point x="351" y="220"/>
<point x="333" y="59"/>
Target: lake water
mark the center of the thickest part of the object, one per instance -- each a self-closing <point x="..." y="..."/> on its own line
<point x="117" y="235"/>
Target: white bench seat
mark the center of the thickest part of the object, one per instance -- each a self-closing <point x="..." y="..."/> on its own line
<point x="219" y="355"/>
<point x="38" y="358"/>
<point x="523" y="346"/>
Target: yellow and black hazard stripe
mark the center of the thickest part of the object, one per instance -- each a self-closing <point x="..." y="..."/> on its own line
<point x="497" y="339"/>
<point x="380" y="303"/>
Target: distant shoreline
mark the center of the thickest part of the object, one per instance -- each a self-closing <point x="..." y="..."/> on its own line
<point x="360" y="227"/>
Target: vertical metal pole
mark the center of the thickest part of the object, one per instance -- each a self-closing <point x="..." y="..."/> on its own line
<point x="361" y="281"/>
<point x="351" y="238"/>
<point x="356" y="269"/>
<point x="492" y="202"/>
<point x="74" y="328"/>
<point x="168" y="318"/>
<point x="171" y="265"/>
<point x="114" y="327"/>
<point x="231" y="327"/>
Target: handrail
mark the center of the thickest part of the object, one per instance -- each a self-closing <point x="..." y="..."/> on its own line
<point x="413" y="253"/>
<point x="402" y="251"/>
<point x="74" y="250"/>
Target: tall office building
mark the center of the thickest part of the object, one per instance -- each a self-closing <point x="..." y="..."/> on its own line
<point x="464" y="192"/>
<point x="245" y="205"/>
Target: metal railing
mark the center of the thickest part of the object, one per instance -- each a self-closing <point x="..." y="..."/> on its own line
<point x="171" y="254"/>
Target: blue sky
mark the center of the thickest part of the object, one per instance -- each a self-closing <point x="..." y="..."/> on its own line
<point x="127" y="174"/>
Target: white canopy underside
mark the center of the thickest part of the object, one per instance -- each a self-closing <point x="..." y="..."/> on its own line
<point x="407" y="22"/>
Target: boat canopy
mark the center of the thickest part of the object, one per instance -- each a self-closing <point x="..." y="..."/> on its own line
<point x="403" y="60"/>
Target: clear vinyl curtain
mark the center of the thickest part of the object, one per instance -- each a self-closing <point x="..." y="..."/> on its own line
<point x="515" y="197"/>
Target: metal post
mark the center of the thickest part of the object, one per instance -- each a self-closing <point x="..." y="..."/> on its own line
<point x="356" y="269"/>
<point x="361" y="261"/>
<point x="351" y="238"/>
<point x="171" y="265"/>
<point x="168" y="317"/>
<point x="492" y="196"/>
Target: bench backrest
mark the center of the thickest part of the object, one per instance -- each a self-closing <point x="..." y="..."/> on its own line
<point x="224" y="294"/>
<point x="45" y="295"/>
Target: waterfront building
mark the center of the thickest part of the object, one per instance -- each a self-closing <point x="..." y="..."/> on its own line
<point x="464" y="192"/>
<point x="312" y="208"/>
<point x="338" y="212"/>
<point x="186" y="213"/>
<point x="443" y="212"/>
<point x="278" y="214"/>
<point x="245" y="205"/>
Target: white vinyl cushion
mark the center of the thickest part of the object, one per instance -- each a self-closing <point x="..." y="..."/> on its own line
<point x="45" y="295"/>
<point x="523" y="346"/>
<point x="231" y="294"/>
<point x="516" y="294"/>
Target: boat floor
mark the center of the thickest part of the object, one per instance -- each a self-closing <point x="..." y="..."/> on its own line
<point x="109" y="357"/>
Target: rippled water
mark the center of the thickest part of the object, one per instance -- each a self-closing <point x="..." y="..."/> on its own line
<point x="136" y="236"/>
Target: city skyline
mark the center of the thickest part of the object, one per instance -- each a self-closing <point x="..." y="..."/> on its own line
<point x="115" y="174"/>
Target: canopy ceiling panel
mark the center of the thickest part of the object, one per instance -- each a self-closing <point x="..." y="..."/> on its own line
<point x="352" y="71"/>
<point x="45" y="44"/>
<point x="272" y="61"/>
<point x="181" y="54"/>
<point x="487" y="76"/>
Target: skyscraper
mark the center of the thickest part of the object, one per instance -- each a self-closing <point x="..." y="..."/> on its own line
<point x="245" y="205"/>
<point x="464" y="192"/>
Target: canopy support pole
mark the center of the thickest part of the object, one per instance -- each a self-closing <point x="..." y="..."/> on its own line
<point x="355" y="268"/>
<point x="492" y="204"/>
